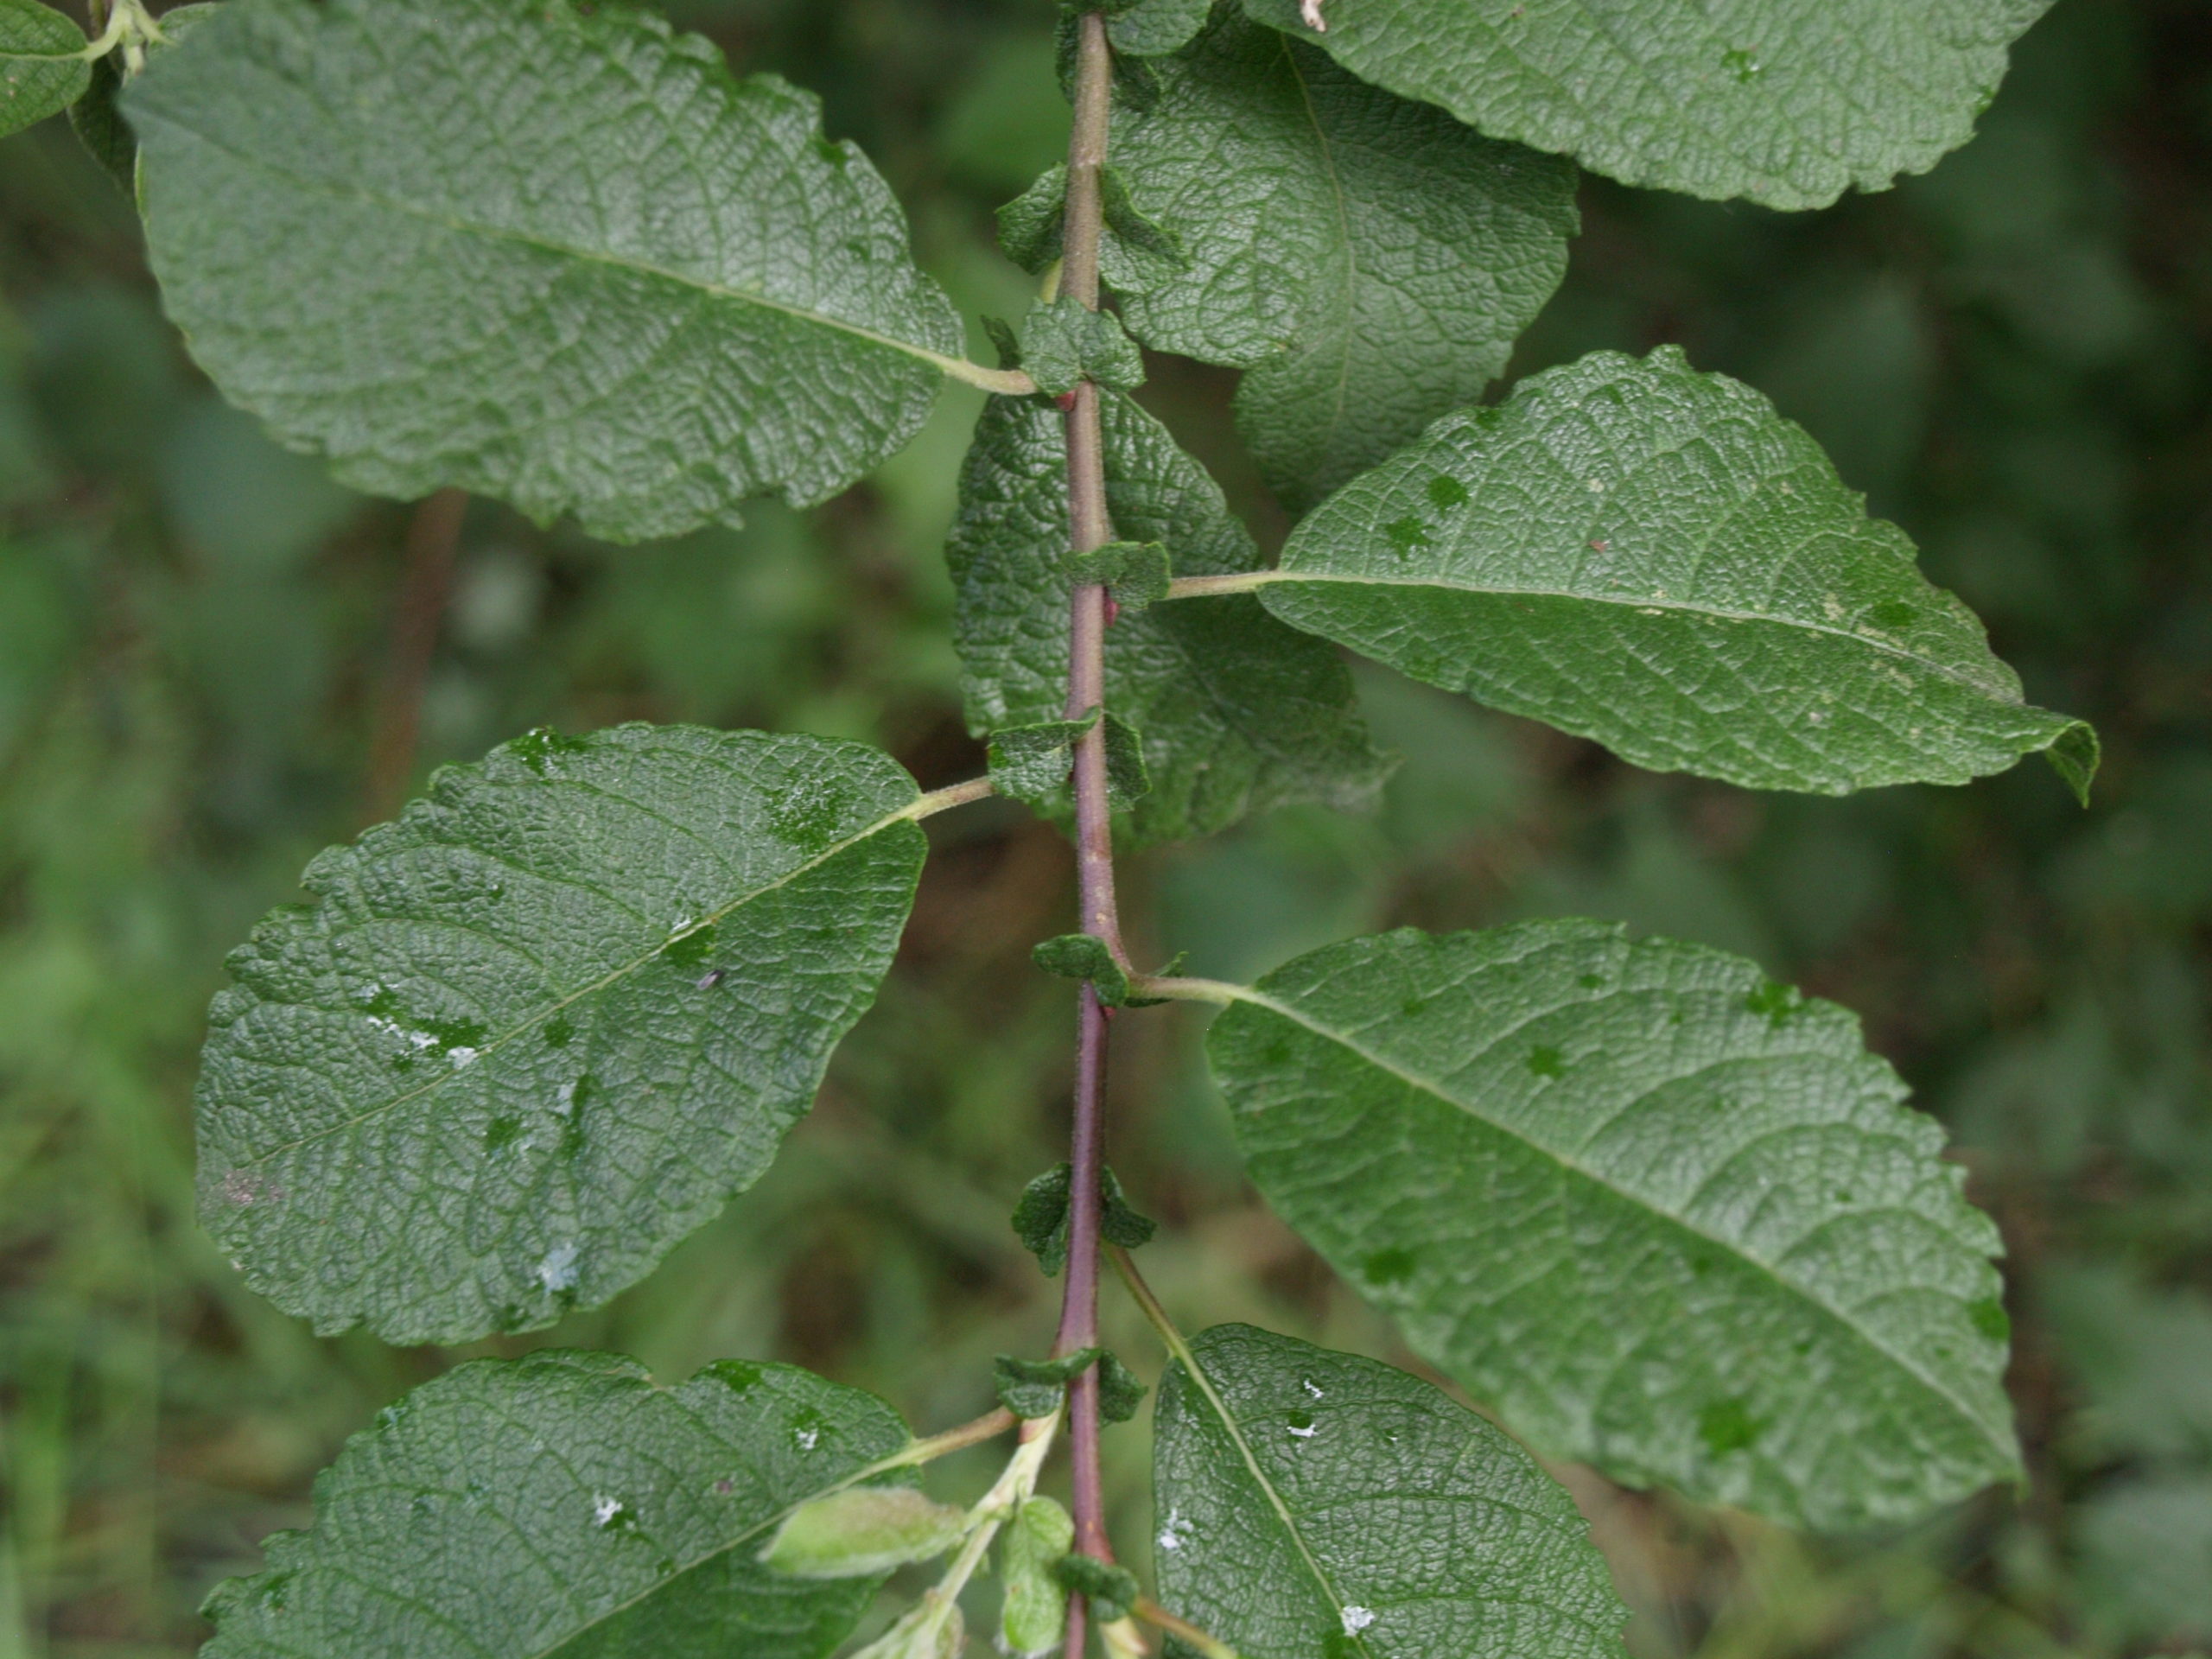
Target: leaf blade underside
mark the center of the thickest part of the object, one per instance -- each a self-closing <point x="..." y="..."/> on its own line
<point x="1238" y="713"/>
<point x="1653" y="558"/>
<point x="545" y="1024"/>
<point x="1317" y="1505"/>
<point x="1367" y="260"/>
<point x="552" y="255"/>
<point x="1789" y="104"/>
<point x="1665" y="1216"/>
<point x="560" y="1505"/>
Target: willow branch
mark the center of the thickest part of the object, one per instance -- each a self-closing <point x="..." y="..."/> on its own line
<point x="1089" y="527"/>
<point x="425" y="585"/>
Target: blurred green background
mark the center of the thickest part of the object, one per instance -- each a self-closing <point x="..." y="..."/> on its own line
<point x="2012" y="356"/>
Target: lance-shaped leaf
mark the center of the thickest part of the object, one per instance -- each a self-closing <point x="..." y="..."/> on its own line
<point x="1665" y="1216"/>
<point x="1787" y="102"/>
<point x="1368" y="259"/>
<point x="1647" y="555"/>
<point x="548" y="252"/>
<point x="562" y="1505"/>
<point x="541" y="1026"/>
<point x="1237" y="712"/>
<point x="42" y="63"/>
<point x="1315" y="1505"/>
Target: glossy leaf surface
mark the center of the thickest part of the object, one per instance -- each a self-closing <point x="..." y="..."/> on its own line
<point x="548" y="253"/>
<point x="1238" y="713"/>
<point x="541" y="1027"/>
<point x="1652" y="557"/>
<point x="562" y="1505"/>
<point x="1665" y="1216"/>
<point x="1316" y="1505"/>
<point x="1367" y="260"/>
<point x="1787" y="102"/>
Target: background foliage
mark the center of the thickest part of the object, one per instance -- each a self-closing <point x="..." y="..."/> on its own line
<point x="2012" y="356"/>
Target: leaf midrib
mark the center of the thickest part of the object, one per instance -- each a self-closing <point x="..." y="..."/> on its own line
<point x="500" y="233"/>
<point x="1270" y="578"/>
<point x="530" y="1022"/>
<point x="1197" y="1373"/>
<point x="1734" y="1248"/>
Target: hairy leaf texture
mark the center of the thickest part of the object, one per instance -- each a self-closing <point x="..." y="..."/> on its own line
<point x="1787" y="102"/>
<point x="1367" y="260"/>
<point x="545" y="1024"/>
<point x="548" y="252"/>
<point x="1665" y="1216"/>
<point x="560" y="1505"/>
<point x="1315" y="1505"/>
<point x="1239" y="714"/>
<point x="1652" y="557"/>
<point x="42" y="64"/>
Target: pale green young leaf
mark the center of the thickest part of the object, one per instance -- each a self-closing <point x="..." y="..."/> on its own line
<point x="1652" y="557"/>
<point x="546" y="252"/>
<point x="1369" y="261"/>
<point x="1237" y="712"/>
<point x="1034" y="1613"/>
<point x="545" y="1024"/>
<point x="560" y="1505"/>
<point x="863" y="1532"/>
<point x="1665" y="1216"/>
<point x="1316" y="1505"/>
<point x="1787" y="102"/>
<point x="43" y="67"/>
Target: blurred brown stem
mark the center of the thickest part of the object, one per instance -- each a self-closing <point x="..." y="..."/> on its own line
<point x="1088" y="528"/>
<point x="425" y="586"/>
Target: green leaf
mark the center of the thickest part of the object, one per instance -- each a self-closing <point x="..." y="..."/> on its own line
<point x="1652" y="557"/>
<point x="98" y="123"/>
<point x="43" y="68"/>
<point x="1067" y="342"/>
<point x="1665" y="1216"/>
<point x="1085" y="957"/>
<point x="1789" y="102"/>
<point x="1120" y="1391"/>
<point x="1033" y="1618"/>
<point x="1313" y="1506"/>
<point x="545" y="1024"/>
<point x="1367" y="260"/>
<point x="1035" y="1387"/>
<point x="1112" y="1590"/>
<point x="1041" y="1217"/>
<point x="559" y="1503"/>
<point x="1135" y="254"/>
<point x="1238" y="713"/>
<point x="863" y="1532"/>
<point x="547" y="252"/>
<point x="1031" y="763"/>
<point x="1136" y="574"/>
<point x="1151" y="29"/>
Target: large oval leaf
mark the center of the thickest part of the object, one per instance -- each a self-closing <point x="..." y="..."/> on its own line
<point x="1665" y="1216"/>
<point x="1239" y="714"/>
<point x="1369" y="260"/>
<point x="547" y="252"/>
<point x="544" y="1026"/>
<point x="1789" y="102"/>
<point x="563" y="1505"/>
<point x="1647" y="555"/>
<point x="1315" y="1505"/>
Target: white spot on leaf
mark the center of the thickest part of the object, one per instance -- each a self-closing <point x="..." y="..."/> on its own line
<point x="558" y="1272"/>
<point x="1357" y="1619"/>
